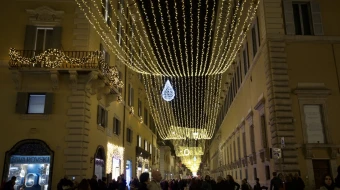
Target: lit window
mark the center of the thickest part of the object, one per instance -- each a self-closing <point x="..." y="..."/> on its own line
<point x="36" y="103"/>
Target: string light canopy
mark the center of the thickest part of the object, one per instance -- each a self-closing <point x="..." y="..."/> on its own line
<point x="192" y="114"/>
<point x="172" y="38"/>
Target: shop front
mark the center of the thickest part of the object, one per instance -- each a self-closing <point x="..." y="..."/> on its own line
<point x="142" y="161"/>
<point x="115" y="160"/>
<point x="99" y="163"/>
<point x="30" y="161"/>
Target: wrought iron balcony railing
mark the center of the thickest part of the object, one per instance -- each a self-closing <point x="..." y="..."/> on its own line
<point x="57" y="59"/>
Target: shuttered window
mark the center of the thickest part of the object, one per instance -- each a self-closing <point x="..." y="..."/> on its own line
<point x="42" y="38"/>
<point x="102" y="116"/>
<point x="116" y="126"/>
<point x="129" y="134"/>
<point x="146" y="116"/>
<point x="302" y="18"/>
<point x="34" y="103"/>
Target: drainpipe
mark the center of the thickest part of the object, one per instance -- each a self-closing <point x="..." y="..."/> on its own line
<point x="336" y="67"/>
<point x="124" y="109"/>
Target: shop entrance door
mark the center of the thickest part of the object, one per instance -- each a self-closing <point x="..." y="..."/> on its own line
<point x="128" y="172"/>
<point x="320" y="168"/>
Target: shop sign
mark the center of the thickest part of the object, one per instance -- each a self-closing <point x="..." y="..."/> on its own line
<point x="30" y="160"/>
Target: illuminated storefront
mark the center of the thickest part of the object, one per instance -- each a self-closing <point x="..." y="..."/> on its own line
<point x="142" y="161"/>
<point x="99" y="163"/>
<point x="30" y="161"/>
<point x="115" y="160"/>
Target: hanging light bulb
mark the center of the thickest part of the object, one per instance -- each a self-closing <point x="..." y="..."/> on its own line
<point x="168" y="92"/>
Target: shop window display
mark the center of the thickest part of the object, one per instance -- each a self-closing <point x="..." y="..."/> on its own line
<point x="32" y="172"/>
<point x="99" y="168"/>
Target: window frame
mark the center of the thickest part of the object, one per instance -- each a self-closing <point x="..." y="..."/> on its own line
<point x="255" y="26"/>
<point x="116" y="129"/>
<point x="103" y="117"/>
<point x="129" y="135"/>
<point x="36" y="37"/>
<point x="310" y="18"/>
<point x="28" y="102"/>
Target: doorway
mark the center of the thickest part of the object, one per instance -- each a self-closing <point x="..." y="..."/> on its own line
<point x="320" y="168"/>
<point x="128" y="172"/>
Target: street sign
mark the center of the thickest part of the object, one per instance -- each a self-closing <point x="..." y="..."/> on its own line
<point x="276" y="153"/>
<point x="283" y="142"/>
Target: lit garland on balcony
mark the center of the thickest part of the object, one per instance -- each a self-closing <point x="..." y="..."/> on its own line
<point x="157" y="51"/>
<point x="53" y="58"/>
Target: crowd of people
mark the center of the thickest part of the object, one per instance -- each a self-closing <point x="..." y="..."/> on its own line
<point x="278" y="182"/>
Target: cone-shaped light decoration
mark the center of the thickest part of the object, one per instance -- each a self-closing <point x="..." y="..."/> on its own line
<point x="168" y="92"/>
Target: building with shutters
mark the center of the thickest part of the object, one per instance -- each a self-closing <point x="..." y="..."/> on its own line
<point x="69" y="107"/>
<point x="282" y="92"/>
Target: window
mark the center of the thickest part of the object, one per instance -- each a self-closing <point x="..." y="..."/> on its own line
<point x="150" y="148"/>
<point x="44" y="39"/>
<point x="255" y="37"/>
<point x="101" y="116"/>
<point x="264" y="131"/>
<point x="119" y="33"/>
<point x="129" y="135"/>
<point x="106" y="54"/>
<point x="130" y="96"/>
<point x="139" y="141"/>
<point x="34" y="103"/>
<point x="246" y="172"/>
<point x="302" y="19"/>
<point x="245" y="59"/>
<point x="239" y="147"/>
<point x="120" y="75"/>
<point x="146" y="145"/>
<point x="255" y="174"/>
<point x="314" y="123"/>
<point x="139" y="107"/>
<point x="146" y="116"/>
<point x="252" y="138"/>
<point x="234" y="147"/>
<point x="107" y="11"/>
<point x="116" y="126"/>
<point x="244" y="142"/>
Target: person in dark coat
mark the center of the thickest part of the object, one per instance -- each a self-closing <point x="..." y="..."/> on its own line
<point x="10" y="184"/>
<point x="276" y="182"/>
<point x="143" y="181"/>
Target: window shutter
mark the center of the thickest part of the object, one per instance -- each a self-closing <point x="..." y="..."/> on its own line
<point x="289" y="17"/>
<point x="22" y="103"/>
<point x="132" y="97"/>
<point x="48" y="103"/>
<point x="99" y="113"/>
<point x="118" y="123"/>
<point x="30" y="37"/>
<point x="106" y="118"/>
<point x="109" y="15"/>
<point x="131" y="135"/>
<point x="103" y="7"/>
<point x="107" y="58"/>
<point x="56" y="36"/>
<point x="317" y="19"/>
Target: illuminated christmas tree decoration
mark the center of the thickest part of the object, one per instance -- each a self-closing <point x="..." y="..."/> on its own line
<point x="168" y="92"/>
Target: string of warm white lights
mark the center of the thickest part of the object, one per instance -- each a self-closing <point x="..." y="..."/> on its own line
<point x="180" y="62"/>
<point x="54" y="58"/>
<point x="192" y="114"/>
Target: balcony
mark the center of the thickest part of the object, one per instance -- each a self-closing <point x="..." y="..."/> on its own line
<point x="78" y="62"/>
